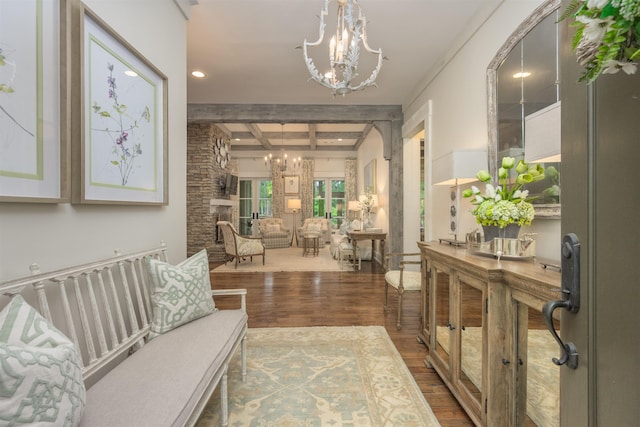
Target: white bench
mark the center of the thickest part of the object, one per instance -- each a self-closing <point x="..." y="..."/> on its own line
<point x="105" y="309"/>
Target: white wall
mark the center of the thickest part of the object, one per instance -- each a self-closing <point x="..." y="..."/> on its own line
<point x="459" y="117"/>
<point x="411" y="197"/>
<point x="61" y="235"/>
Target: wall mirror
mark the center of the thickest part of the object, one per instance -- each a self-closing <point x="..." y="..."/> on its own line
<point x="522" y="82"/>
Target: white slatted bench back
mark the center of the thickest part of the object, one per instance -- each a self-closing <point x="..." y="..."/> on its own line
<point x="104" y="307"/>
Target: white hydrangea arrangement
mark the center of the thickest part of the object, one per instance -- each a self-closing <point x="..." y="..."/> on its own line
<point x="506" y="203"/>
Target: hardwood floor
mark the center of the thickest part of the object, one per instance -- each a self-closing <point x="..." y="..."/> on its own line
<point x="343" y="299"/>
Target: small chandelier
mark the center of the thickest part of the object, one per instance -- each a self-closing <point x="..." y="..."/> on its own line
<point x="344" y="50"/>
<point x="281" y="161"/>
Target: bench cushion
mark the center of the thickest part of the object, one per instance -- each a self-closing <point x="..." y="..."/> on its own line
<point x="162" y="383"/>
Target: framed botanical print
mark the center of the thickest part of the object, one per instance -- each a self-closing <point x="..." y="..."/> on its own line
<point x="33" y="101"/>
<point x="123" y="149"/>
<point x="291" y="184"/>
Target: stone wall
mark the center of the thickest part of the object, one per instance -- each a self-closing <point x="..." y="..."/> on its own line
<point x="204" y="176"/>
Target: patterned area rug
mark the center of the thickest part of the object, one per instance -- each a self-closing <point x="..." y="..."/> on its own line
<point x="321" y="376"/>
<point x="285" y="259"/>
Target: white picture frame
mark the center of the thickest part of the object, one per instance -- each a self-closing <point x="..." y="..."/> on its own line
<point x="34" y="108"/>
<point x="292" y="184"/>
<point x="123" y="149"/>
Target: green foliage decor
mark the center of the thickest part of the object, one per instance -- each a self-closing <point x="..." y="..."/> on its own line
<point x="507" y="203"/>
<point x="607" y="37"/>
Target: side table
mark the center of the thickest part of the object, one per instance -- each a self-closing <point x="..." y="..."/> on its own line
<point x="310" y="244"/>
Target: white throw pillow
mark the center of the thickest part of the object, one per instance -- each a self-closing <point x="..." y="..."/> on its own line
<point x="180" y="293"/>
<point x="272" y="228"/>
<point x="40" y="370"/>
<point x="314" y="226"/>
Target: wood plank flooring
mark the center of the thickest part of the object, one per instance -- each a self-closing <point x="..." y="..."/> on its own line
<point x="296" y="299"/>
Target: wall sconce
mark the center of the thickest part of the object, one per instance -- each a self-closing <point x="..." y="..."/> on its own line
<point x="542" y="135"/>
<point x="453" y="169"/>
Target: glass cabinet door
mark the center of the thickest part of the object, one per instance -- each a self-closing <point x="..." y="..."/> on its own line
<point x="537" y="377"/>
<point x="441" y="334"/>
<point x="424" y="308"/>
<point x="472" y="339"/>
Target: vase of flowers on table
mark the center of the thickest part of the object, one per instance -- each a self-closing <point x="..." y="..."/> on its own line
<point x="504" y="208"/>
<point x="367" y="203"/>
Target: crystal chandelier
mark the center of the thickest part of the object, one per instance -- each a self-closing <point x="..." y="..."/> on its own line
<point x="282" y="160"/>
<point x="344" y="50"/>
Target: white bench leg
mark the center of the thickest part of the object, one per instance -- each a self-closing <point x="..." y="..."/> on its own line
<point x="224" y="401"/>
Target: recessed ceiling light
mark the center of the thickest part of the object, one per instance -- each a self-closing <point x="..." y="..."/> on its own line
<point x="237" y="139"/>
<point x="339" y="139"/>
<point x="198" y="74"/>
<point x="521" y="75"/>
<point x="131" y="73"/>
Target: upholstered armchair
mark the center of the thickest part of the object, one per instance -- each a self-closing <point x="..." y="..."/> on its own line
<point x="316" y="225"/>
<point x="274" y="234"/>
<point x="237" y="247"/>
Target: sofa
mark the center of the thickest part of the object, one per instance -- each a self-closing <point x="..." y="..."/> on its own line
<point x="274" y="234"/>
<point x="127" y="341"/>
<point x="340" y="236"/>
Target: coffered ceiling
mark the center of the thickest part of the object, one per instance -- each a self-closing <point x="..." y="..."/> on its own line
<point x="247" y="49"/>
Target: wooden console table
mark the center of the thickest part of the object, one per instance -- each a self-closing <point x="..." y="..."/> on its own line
<point x="366" y="235"/>
<point x="478" y="318"/>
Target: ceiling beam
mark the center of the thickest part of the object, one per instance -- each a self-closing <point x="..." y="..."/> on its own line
<point x="257" y="134"/>
<point x="291" y="113"/>
<point x="237" y="147"/>
<point x="365" y="132"/>
<point x="297" y="135"/>
<point x="313" y="140"/>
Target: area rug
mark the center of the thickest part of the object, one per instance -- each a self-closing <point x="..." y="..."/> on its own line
<point x="285" y="259"/>
<point x="321" y="376"/>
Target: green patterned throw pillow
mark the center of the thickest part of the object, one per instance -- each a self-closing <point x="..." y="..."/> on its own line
<point x="180" y="293"/>
<point x="40" y="370"/>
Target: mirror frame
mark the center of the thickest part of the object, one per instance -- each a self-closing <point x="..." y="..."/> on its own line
<point x="541" y="12"/>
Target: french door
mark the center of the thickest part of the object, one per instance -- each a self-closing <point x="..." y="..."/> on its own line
<point x="255" y="201"/>
<point x="329" y="200"/>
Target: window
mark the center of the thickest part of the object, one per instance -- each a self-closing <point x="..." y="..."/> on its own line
<point x="329" y="192"/>
<point x="255" y="198"/>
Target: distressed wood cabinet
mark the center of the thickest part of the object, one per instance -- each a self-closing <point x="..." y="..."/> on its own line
<point x="478" y="314"/>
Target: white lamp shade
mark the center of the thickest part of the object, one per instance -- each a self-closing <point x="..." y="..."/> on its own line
<point x="294" y="204"/>
<point x="542" y="135"/>
<point x="353" y="205"/>
<point x="458" y="167"/>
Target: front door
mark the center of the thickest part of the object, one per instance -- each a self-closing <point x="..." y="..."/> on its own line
<point x="601" y="205"/>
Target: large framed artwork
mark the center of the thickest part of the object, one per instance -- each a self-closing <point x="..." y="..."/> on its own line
<point x="291" y="184"/>
<point x="123" y="149"/>
<point x="33" y="101"/>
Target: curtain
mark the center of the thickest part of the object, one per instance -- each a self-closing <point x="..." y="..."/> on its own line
<point x="277" y="197"/>
<point x="306" y="188"/>
<point x="350" y="180"/>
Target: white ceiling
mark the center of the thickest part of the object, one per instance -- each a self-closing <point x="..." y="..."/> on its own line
<point x="247" y="48"/>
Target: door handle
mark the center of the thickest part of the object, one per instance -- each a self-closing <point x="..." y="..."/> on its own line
<point x="571" y="298"/>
